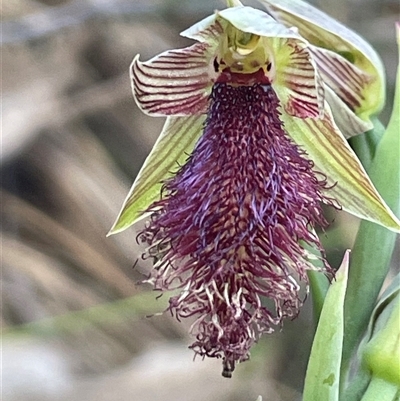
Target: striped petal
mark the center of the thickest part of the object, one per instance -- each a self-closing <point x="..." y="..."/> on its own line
<point x="297" y="82"/>
<point x="325" y="32"/>
<point x="333" y="157"/>
<point x="172" y="148"/>
<point x="176" y="82"/>
<point x="348" y="81"/>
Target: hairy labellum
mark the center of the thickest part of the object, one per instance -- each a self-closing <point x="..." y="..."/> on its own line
<point x="227" y="229"/>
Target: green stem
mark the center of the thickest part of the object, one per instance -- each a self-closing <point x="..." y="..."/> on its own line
<point x="319" y="285"/>
<point x="365" y="144"/>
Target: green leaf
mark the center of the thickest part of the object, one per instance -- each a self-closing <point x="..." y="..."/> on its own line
<point x="172" y="148"/>
<point x="323" y="371"/>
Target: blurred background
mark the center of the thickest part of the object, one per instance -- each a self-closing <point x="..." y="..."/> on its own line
<point x="74" y="317"/>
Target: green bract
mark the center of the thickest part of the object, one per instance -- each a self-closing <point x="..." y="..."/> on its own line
<point x="323" y="371"/>
<point x="381" y="355"/>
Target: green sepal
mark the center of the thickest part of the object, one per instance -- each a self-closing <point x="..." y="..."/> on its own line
<point x="171" y="150"/>
<point x="350" y="185"/>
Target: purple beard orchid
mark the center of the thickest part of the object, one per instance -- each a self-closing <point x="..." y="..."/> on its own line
<point x="254" y="142"/>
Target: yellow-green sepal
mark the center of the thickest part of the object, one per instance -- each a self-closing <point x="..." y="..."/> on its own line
<point x="171" y="150"/>
<point x="332" y="155"/>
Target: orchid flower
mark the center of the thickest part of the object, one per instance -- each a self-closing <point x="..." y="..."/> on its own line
<point x="255" y="139"/>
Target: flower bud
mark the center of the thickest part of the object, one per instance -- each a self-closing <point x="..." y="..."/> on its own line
<point x="382" y="353"/>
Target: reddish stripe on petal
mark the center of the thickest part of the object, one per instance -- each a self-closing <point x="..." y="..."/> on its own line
<point x="180" y="106"/>
<point x="301" y="81"/>
<point x="155" y="72"/>
<point x="345" y="79"/>
<point x="144" y="87"/>
<point x="176" y="82"/>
